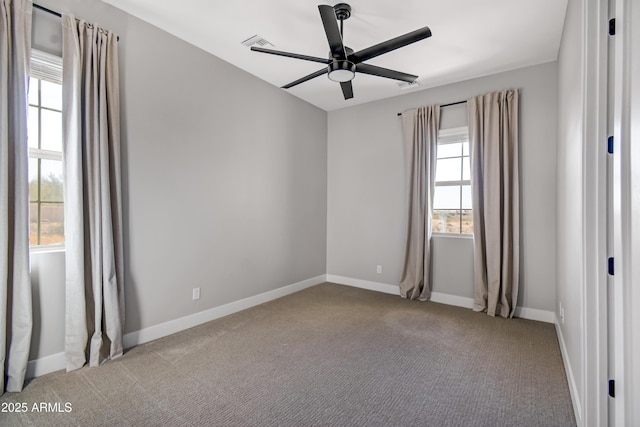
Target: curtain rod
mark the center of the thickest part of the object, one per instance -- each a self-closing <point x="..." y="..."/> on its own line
<point x="44" y="9"/>
<point x="447" y="105"/>
<point x="58" y="14"/>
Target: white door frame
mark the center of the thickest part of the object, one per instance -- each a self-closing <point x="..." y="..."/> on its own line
<point x="626" y="213"/>
<point x="594" y="209"/>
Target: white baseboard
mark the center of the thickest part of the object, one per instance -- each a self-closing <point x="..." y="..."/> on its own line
<point x="56" y="362"/>
<point x="171" y="327"/>
<point x="535" y="314"/>
<point x="45" y="365"/>
<point x="573" y="388"/>
<point x="364" y="284"/>
<point x="448" y="299"/>
<point x="439" y="297"/>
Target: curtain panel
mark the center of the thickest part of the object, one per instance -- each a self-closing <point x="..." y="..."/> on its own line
<point x="495" y="197"/>
<point x="15" y="282"/>
<point x="420" y="136"/>
<point x="94" y="319"/>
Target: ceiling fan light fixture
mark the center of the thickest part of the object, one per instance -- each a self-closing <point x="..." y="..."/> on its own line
<point x="341" y="71"/>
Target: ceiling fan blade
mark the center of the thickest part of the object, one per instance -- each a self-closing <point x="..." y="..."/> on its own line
<point x="290" y="55"/>
<point x="385" y="72"/>
<point x="330" y="23"/>
<point x="305" y="78"/>
<point x="347" y="89"/>
<point x="389" y="45"/>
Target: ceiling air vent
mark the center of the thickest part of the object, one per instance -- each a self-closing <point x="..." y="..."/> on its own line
<point x="408" y="85"/>
<point x="257" y="41"/>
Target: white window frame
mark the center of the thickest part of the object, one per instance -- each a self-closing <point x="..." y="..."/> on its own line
<point x="45" y="66"/>
<point x="452" y="136"/>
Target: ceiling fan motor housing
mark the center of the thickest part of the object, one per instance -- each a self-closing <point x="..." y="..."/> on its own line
<point x="347" y="50"/>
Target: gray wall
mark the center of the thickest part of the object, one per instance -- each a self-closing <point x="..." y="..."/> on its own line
<point x="366" y="191"/>
<point x="224" y="181"/>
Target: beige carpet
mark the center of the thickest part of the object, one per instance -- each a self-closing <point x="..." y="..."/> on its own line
<point x="330" y="355"/>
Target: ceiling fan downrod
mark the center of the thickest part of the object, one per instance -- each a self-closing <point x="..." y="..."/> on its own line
<point x="343" y="11"/>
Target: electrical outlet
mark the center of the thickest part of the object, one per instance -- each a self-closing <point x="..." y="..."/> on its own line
<point x="561" y="312"/>
<point x="196" y="293"/>
<point x="379" y="269"/>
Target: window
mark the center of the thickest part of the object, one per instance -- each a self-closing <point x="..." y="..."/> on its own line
<point x="46" y="208"/>
<point x="452" y="197"/>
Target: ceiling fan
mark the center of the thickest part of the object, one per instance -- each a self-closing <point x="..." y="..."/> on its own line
<point x="343" y="63"/>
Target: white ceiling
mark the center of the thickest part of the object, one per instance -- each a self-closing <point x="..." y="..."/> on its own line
<point x="471" y="38"/>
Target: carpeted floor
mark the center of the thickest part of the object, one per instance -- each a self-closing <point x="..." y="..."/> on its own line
<point x="330" y="355"/>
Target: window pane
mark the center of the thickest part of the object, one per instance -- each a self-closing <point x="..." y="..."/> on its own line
<point x="51" y="95"/>
<point x="51" y="180"/>
<point x="448" y="169"/>
<point x="447" y="197"/>
<point x="51" y="223"/>
<point x="466" y="197"/>
<point x="465" y="148"/>
<point x="449" y="150"/>
<point x="33" y="180"/>
<point x="32" y="127"/>
<point x="439" y="221"/>
<point x="467" y="222"/>
<point x="33" y="223"/>
<point x="446" y="221"/>
<point x="33" y="91"/>
<point x="466" y="169"/>
<point x="51" y="138"/>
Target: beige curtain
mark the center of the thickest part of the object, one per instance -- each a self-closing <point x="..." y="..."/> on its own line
<point x="15" y="283"/>
<point x="493" y="135"/>
<point x="92" y="192"/>
<point x="420" y="134"/>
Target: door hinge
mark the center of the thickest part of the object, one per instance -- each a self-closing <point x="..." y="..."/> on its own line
<point x="610" y="145"/>
<point x="612" y="27"/>
<point x="610" y="265"/>
<point x="612" y="388"/>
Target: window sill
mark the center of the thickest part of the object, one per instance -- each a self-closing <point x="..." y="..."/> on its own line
<point x="453" y="236"/>
<point x="43" y="249"/>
